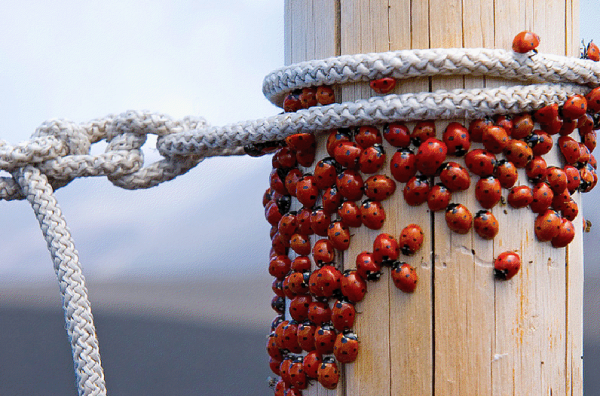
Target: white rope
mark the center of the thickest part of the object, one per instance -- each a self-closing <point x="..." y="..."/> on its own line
<point x="78" y="313"/>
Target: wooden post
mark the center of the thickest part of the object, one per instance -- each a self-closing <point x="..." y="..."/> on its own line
<point x="461" y="332"/>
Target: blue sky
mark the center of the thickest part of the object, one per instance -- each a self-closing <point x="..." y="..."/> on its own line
<point x="83" y="60"/>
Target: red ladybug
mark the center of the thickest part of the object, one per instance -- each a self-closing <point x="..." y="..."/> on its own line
<point x="335" y="137"/>
<point x="505" y="122"/>
<point x="519" y="197"/>
<point x="328" y="373"/>
<point x="590" y="141"/>
<point x="331" y="199"/>
<point x="276" y="181"/>
<point x="561" y="200"/>
<point x="525" y="41"/>
<point x="368" y="267"/>
<point x="284" y="368"/>
<point x="547" y="225"/>
<point x="297" y="375"/>
<point x="300" y="244"/>
<point x="343" y="314"/>
<point x="303" y="221"/>
<point x="404" y="277"/>
<point x="495" y="139"/>
<point x="274" y="365"/>
<point x="272" y="349"/>
<point x="481" y="162"/>
<point x="593" y="100"/>
<point x="383" y="85"/>
<point x="430" y="156"/>
<point x="312" y="362"/>
<point x="323" y="252"/>
<point x="416" y="190"/>
<point x="372" y="159"/>
<point x="284" y="158"/>
<point x="308" y="97"/>
<point x="506" y="265"/>
<point x="307" y="191"/>
<point x="280" y="266"/>
<point x="306" y="157"/>
<point x="522" y="126"/>
<point x="289" y="293"/>
<point x="557" y="179"/>
<point x="488" y="192"/>
<point x="547" y="113"/>
<point x="277" y="287"/>
<point x="280" y="244"/>
<point x="506" y="173"/>
<point x="385" y="249"/>
<point x="345" y="348"/>
<point x="353" y="286"/>
<point x="518" y="152"/>
<point x="584" y="155"/>
<point x="403" y="165"/>
<point x="476" y="128"/>
<point x="568" y="126"/>
<point x="325" y="339"/>
<point x="279" y="333"/>
<point x="290" y="337"/>
<point x="566" y="234"/>
<point x="588" y="179"/>
<point x="457" y="140"/>
<point x="372" y="214"/>
<point x="536" y="169"/>
<point x="454" y="177"/>
<point x="542" y="198"/>
<point x="299" y="307"/>
<point x="306" y="335"/>
<point x="349" y="213"/>
<point x="319" y="312"/>
<point x="347" y="154"/>
<point x="325" y="95"/>
<point x="585" y="124"/>
<point x="574" y="107"/>
<point x="319" y="221"/>
<point x="485" y="224"/>
<point x="411" y="239"/>
<point x="291" y="102"/>
<point x="350" y="185"/>
<point x="379" y="187"/>
<point x="540" y="142"/>
<point x="422" y="131"/>
<point x="458" y="218"/>
<point x="591" y="52"/>
<point x="438" y="198"/>
<point x="298" y="281"/>
<point x="291" y="181"/>
<point x="325" y="173"/>
<point x="396" y="134"/>
<point x="339" y="235"/>
<point x="287" y="225"/>
<point x="367" y="136"/>
<point x="279" y="387"/>
<point x="569" y="149"/>
<point x="278" y="304"/>
<point x="325" y="281"/>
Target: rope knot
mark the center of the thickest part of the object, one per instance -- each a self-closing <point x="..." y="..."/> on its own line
<point x="72" y="135"/>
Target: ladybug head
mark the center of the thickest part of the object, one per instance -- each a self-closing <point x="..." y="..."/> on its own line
<point x="500" y="274"/>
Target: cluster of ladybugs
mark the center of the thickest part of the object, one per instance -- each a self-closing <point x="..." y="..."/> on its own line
<point x="321" y="329"/>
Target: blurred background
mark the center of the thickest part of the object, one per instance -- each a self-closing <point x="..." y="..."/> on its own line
<point x="174" y="273"/>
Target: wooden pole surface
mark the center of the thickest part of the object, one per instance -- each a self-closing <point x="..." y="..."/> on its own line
<point x="462" y="332"/>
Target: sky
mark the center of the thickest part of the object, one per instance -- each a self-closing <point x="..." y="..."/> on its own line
<point x="84" y="60"/>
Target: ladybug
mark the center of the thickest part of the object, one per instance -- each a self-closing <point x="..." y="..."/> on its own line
<point x="325" y="95"/>
<point x="458" y="218"/>
<point x="592" y="162"/>
<point x="287" y="225"/>
<point x="306" y="335"/>
<point x="518" y="152"/>
<point x="488" y="192"/>
<point x="554" y="126"/>
<point x="345" y="348"/>
<point x="585" y="124"/>
<point x="298" y="281"/>
<point x="506" y="265"/>
<point x="403" y="165"/>
<point x="272" y="349"/>
<point x="297" y="375"/>
<point x="505" y="122"/>
<point x="423" y="130"/>
<point x="273" y="231"/>
<point x="457" y="140"/>
<point x="300" y="244"/>
<point x="289" y="293"/>
<point x="372" y="159"/>
<point x="476" y="128"/>
<point x="416" y="190"/>
<point x="574" y="107"/>
<point x="325" y="338"/>
<point x="385" y="249"/>
<point x="284" y="368"/>
<point x="280" y="244"/>
<point x="328" y="373"/>
<point x="323" y="252"/>
<point x="347" y="154"/>
<point x="343" y="314"/>
<point x="339" y="235"/>
<point x="454" y="177"/>
<point x="277" y="287"/>
<point x="325" y="173"/>
<point x="274" y="365"/>
<point x="349" y="213"/>
<point x="570" y="210"/>
<point x="557" y="179"/>
<point x="278" y="304"/>
<point x="299" y="307"/>
<point x="495" y="139"/>
<point x="404" y="277"/>
<point x="312" y="362"/>
<point x="278" y="338"/>
<point x="368" y="267"/>
<point x="308" y="97"/>
<point x="568" y="126"/>
<point x="331" y="200"/>
<point x="284" y="158"/>
<point x="593" y="100"/>
<point x="350" y="185"/>
<point x="561" y="200"/>
<point x="335" y="137"/>
<point x="306" y="157"/>
<point x="547" y="225"/>
<point x="303" y="221"/>
<point x="379" y="187"/>
<point x="591" y="52"/>
<point x="536" y="170"/>
<point x="542" y="197"/>
<point x="353" y="286"/>
<point x="411" y="239"/>
<point x="546" y="114"/>
<point x="278" y="387"/>
<point x="569" y="149"/>
<point x="319" y="312"/>
<point x="481" y="162"/>
<point x="276" y="322"/>
<point x="367" y="136"/>
<point x="438" y="198"/>
<point x="584" y="155"/>
<point x="590" y="140"/>
<point x="485" y="224"/>
<point x="566" y="234"/>
<point x="276" y="181"/>
<point x="525" y="41"/>
<point x="291" y="181"/>
<point x="325" y="281"/>
<point x="520" y="197"/>
<point x="506" y="173"/>
<point x="522" y="126"/>
<point x="372" y="214"/>
<point x="540" y="142"/>
<point x="290" y="338"/>
<point x="397" y="134"/>
<point x="588" y="179"/>
<point x="307" y="191"/>
<point x="383" y="85"/>
<point x="291" y="102"/>
<point x="279" y="266"/>
<point x="319" y="221"/>
<point x="429" y="157"/>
